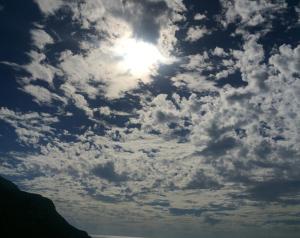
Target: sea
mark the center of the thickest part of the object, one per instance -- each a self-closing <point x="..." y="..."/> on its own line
<point x="107" y="236"/>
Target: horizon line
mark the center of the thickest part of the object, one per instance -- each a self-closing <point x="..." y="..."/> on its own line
<point x="110" y="236"/>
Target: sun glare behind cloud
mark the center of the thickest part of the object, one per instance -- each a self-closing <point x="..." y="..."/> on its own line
<point x="138" y="57"/>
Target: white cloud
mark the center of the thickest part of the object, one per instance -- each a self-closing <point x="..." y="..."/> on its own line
<point x="87" y="72"/>
<point x="287" y="61"/>
<point x="90" y="12"/>
<point x="251" y="13"/>
<point x="176" y="5"/>
<point x="42" y="95"/>
<point x="197" y="62"/>
<point x="31" y="128"/>
<point x="110" y="112"/>
<point x="50" y="6"/>
<point x="159" y="115"/>
<point x="195" y="33"/>
<point x="39" y="69"/>
<point x="209" y="138"/>
<point x="223" y="73"/>
<point x="77" y="99"/>
<point x="199" y="17"/>
<point x="105" y="111"/>
<point x="82" y="72"/>
<point x="41" y="38"/>
<point x="250" y="63"/>
<point x="219" y="52"/>
<point x="193" y="81"/>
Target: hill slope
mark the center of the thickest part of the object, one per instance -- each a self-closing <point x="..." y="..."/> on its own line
<point x="25" y="214"/>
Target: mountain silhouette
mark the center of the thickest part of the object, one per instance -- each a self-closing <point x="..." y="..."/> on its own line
<point x="31" y="215"/>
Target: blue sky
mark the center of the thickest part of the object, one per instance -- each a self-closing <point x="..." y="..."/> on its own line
<point x="155" y="118"/>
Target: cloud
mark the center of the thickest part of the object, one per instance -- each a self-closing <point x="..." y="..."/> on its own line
<point x="31" y="128"/>
<point x="198" y="212"/>
<point x="212" y="221"/>
<point x="202" y="181"/>
<point x="287" y="61"/>
<point x="82" y="69"/>
<point x="91" y="76"/>
<point x="193" y="81"/>
<point x="49" y="7"/>
<point x="39" y="69"/>
<point x="274" y="190"/>
<point x="116" y="23"/>
<point x="195" y="33"/>
<point x="213" y="134"/>
<point x="41" y="38"/>
<point x="219" y="52"/>
<point x="145" y="17"/>
<point x="287" y="222"/>
<point x="107" y="171"/>
<point x="219" y="147"/>
<point x="42" y="95"/>
<point x="251" y="13"/>
<point x="199" y="17"/>
<point x="197" y="62"/>
<point x="77" y="99"/>
<point x="250" y="63"/>
<point x="182" y="212"/>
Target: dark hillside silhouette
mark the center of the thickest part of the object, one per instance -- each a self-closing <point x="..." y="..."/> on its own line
<point x="25" y="214"/>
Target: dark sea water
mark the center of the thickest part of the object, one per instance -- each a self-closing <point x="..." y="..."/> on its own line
<point x="107" y="236"/>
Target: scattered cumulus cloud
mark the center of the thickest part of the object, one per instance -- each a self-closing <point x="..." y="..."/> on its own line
<point x="49" y="7"/>
<point x="199" y="17"/>
<point x="40" y="38"/>
<point x="211" y="133"/>
<point x="195" y="33"/>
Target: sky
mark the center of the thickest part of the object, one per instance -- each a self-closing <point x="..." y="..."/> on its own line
<point x="155" y="118"/>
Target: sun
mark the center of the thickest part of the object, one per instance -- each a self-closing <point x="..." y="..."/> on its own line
<point x="137" y="57"/>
